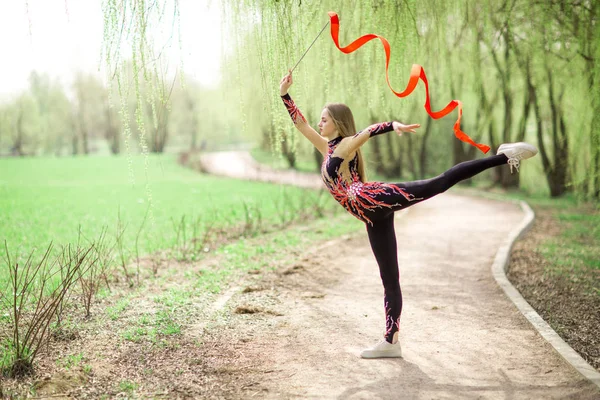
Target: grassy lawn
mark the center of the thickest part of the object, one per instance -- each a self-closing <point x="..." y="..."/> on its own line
<point x="50" y="199"/>
<point x="574" y="253"/>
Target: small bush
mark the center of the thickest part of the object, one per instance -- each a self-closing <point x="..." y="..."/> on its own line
<point x="30" y="301"/>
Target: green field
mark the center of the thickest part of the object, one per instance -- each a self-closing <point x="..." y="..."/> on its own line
<point x="45" y="200"/>
<point x="575" y="253"/>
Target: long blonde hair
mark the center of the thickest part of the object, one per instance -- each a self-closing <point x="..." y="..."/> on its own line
<point x="344" y="122"/>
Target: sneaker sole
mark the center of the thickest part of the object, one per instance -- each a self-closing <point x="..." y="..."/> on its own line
<point x="527" y="149"/>
<point x="381" y="355"/>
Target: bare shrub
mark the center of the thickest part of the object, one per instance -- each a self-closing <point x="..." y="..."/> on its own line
<point x="137" y="248"/>
<point x="30" y="301"/>
<point x="318" y="207"/>
<point x="96" y="273"/>
<point x="119" y="244"/>
<point x="253" y="219"/>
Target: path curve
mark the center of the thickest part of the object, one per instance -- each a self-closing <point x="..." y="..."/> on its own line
<point x="241" y="165"/>
<point x="462" y="337"/>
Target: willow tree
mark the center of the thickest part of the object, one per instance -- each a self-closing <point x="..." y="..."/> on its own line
<point x="555" y="51"/>
<point x="578" y="39"/>
<point x="432" y="34"/>
<point x="492" y="55"/>
<point x="127" y="27"/>
<point x="271" y="36"/>
<point x="38" y="120"/>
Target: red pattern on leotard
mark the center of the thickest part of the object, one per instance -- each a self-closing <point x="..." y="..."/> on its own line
<point x="362" y="200"/>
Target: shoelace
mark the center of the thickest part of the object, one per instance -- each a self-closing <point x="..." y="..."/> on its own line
<point x="513" y="162"/>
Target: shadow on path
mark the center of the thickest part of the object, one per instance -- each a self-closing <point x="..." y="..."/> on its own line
<point x="415" y="383"/>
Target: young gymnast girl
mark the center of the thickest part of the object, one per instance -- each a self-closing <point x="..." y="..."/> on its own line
<point x="374" y="203"/>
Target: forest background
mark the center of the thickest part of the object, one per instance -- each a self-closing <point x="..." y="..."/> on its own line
<point x="525" y="71"/>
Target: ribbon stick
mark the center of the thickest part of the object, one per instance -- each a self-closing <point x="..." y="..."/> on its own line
<point x="417" y="72"/>
<point x="311" y="45"/>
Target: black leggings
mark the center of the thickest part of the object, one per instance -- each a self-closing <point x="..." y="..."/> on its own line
<point x="383" y="237"/>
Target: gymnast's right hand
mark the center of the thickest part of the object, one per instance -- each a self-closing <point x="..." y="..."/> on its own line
<point x="285" y="84"/>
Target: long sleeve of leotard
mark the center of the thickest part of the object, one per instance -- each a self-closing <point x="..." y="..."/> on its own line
<point x="377" y="129"/>
<point x="292" y="109"/>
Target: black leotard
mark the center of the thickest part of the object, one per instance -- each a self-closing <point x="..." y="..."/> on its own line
<point x="365" y="201"/>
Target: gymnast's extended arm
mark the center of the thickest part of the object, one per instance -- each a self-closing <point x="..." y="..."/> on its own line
<point x="299" y="120"/>
<point x="361" y="137"/>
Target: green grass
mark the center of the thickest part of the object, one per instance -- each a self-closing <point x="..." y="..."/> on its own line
<point x="172" y="310"/>
<point x="128" y="386"/>
<point x="173" y="298"/>
<point x="254" y="255"/>
<point x="45" y="200"/>
<point x="575" y="252"/>
<point x="153" y="326"/>
<point x="70" y="361"/>
<point x="115" y="312"/>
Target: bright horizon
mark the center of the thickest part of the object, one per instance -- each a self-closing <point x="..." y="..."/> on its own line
<point x="63" y="37"/>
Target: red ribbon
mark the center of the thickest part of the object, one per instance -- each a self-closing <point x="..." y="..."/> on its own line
<point x="416" y="72"/>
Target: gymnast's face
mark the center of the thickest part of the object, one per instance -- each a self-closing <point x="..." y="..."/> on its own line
<point x="326" y="126"/>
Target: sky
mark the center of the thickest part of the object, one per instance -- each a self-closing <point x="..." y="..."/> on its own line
<point x="62" y="37"/>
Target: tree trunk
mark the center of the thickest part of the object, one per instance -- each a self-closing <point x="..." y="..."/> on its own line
<point x="84" y="140"/>
<point x="17" y="147"/>
<point x="423" y="150"/>
<point x="589" y="37"/>
<point x="111" y="132"/>
<point x="81" y="119"/>
<point x="540" y="136"/>
<point x="289" y="155"/>
<point x="159" y="132"/>
<point x="508" y="179"/>
<point x="75" y="137"/>
<point x="503" y="174"/>
<point x="557" y="174"/>
<point x="561" y="164"/>
<point x="163" y="130"/>
<point x="194" y="125"/>
<point x="522" y="130"/>
<point x="595" y="125"/>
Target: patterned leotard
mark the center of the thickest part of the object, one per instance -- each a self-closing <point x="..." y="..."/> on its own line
<point x="366" y="201"/>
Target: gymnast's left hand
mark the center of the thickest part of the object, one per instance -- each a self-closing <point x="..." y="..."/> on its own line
<point x="401" y="128"/>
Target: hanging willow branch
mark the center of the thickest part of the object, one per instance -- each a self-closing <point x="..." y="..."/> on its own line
<point x="133" y="60"/>
<point x="274" y="35"/>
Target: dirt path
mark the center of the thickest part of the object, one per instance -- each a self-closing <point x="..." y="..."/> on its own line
<point x="461" y="337"/>
<point x="240" y="164"/>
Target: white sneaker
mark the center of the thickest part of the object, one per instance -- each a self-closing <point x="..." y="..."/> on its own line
<point x="517" y="152"/>
<point x="383" y="349"/>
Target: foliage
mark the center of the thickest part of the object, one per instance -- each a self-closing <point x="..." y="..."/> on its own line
<point x="36" y="121"/>
<point x="525" y="71"/>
